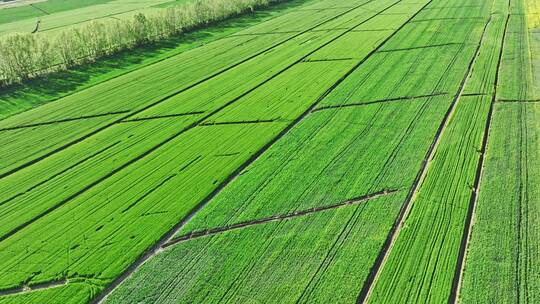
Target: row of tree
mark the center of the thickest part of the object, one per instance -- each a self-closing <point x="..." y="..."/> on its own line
<point x="24" y="55"/>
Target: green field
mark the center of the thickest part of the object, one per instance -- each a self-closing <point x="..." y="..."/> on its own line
<point x="39" y="9"/>
<point x="55" y="15"/>
<point x="322" y="151"/>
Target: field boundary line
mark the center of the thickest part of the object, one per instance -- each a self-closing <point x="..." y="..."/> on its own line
<point x="374" y="30"/>
<point x="152" y="190"/>
<point x="447" y="7"/>
<point x="45" y="123"/>
<point x="153" y="249"/>
<point x="239" y="122"/>
<point x="475" y="94"/>
<point x="162" y="116"/>
<point x="359" y="104"/>
<point x="329" y="59"/>
<point x="517" y="100"/>
<point x="330" y="30"/>
<point x="469" y="222"/>
<point x="267" y="33"/>
<point x="279" y="217"/>
<point x="449" y="18"/>
<point x="162" y="99"/>
<point x="323" y="9"/>
<point x="421" y="47"/>
<point x="375" y="272"/>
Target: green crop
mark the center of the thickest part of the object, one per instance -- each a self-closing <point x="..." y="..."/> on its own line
<point x="380" y="151"/>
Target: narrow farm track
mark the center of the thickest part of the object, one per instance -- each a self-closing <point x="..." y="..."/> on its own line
<point x="46" y="285"/>
<point x="374" y="151"/>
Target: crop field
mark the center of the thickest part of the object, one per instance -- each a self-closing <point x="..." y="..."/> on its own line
<point x="57" y="14"/>
<point x="23" y="10"/>
<point x="360" y="151"/>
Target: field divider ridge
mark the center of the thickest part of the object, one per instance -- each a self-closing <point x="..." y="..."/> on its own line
<point x="475" y="94"/>
<point x="421" y="47"/>
<point x="517" y="100"/>
<point x="366" y="290"/>
<point x="240" y="122"/>
<point x="162" y="99"/>
<point x="163" y="116"/>
<point x="326" y="60"/>
<point x="322" y="9"/>
<point x="269" y="33"/>
<point x="358" y="104"/>
<point x="449" y="18"/>
<point x="39" y="9"/>
<point x="278" y="217"/>
<point x="469" y="221"/>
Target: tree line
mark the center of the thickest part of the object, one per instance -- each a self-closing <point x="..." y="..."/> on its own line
<point x="25" y="55"/>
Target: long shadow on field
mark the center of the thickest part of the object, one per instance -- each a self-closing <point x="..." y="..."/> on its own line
<point x="19" y="97"/>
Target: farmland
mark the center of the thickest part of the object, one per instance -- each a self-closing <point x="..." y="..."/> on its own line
<point x="57" y="14"/>
<point x="368" y="151"/>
